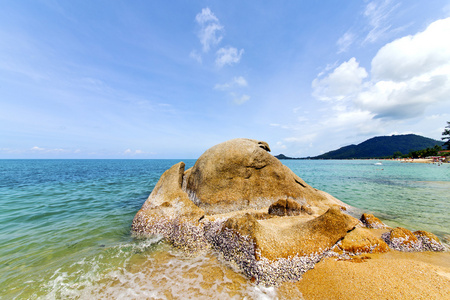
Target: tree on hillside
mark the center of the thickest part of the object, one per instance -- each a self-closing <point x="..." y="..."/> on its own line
<point x="446" y="136"/>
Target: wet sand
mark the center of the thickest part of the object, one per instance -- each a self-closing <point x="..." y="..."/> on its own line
<point x="394" y="275"/>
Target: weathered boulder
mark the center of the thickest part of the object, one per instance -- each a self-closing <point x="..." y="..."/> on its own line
<point x="429" y="241"/>
<point x="259" y="215"/>
<point x="362" y="240"/>
<point x="169" y="212"/>
<point x="402" y="239"/>
<point x="241" y="174"/>
<point x="370" y="221"/>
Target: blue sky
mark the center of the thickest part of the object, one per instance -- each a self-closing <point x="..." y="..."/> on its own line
<point x="169" y="79"/>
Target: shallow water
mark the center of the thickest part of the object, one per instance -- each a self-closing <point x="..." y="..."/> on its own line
<point x="65" y="225"/>
<point x="411" y="195"/>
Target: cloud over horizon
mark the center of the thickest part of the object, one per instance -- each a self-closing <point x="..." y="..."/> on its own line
<point x="407" y="75"/>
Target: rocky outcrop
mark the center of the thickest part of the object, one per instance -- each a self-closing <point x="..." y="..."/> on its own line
<point x="169" y="212"/>
<point x="429" y="241"/>
<point x="258" y="215"/>
<point x="241" y="174"/>
<point x="402" y="239"/>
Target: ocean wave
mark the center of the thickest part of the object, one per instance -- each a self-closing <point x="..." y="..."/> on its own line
<point x="149" y="269"/>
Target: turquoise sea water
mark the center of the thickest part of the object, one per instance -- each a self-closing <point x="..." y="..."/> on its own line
<point x="65" y="225"/>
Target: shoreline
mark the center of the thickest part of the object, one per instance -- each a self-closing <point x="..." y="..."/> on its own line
<point x="392" y="275"/>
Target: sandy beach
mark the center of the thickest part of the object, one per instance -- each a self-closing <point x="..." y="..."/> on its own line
<point x="418" y="160"/>
<point x="394" y="275"/>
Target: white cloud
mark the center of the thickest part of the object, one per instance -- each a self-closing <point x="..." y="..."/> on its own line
<point x="240" y="99"/>
<point x="410" y="74"/>
<point x="378" y="13"/>
<point x="240" y="81"/>
<point x="210" y="29"/>
<point x="206" y="16"/>
<point x="345" y="80"/>
<point x="228" y="56"/>
<point x="36" y="148"/>
<point x="236" y="82"/>
<point x="412" y="56"/>
<point x="407" y="76"/>
<point x="45" y="150"/>
<point x="196" y="56"/>
<point x="304" y="139"/>
<point x="359" y="120"/>
<point x="210" y="35"/>
<point x="135" y="152"/>
<point x="231" y="88"/>
<point x="280" y="145"/>
<point x="345" y="41"/>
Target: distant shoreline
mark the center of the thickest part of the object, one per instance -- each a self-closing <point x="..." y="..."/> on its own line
<point x="402" y="160"/>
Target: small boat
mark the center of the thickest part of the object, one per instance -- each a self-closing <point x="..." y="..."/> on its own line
<point x="378" y="164"/>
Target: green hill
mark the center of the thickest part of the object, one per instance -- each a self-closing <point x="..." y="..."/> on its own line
<point x="382" y="146"/>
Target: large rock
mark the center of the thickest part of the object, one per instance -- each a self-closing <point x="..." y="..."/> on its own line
<point x="259" y="215"/>
<point x="241" y="174"/>
<point x="169" y="212"/>
<point x="429" y="241"/>
<point x="402" y="239"/>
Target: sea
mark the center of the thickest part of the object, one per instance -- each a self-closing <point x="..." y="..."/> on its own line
<point x="65" y="226"/>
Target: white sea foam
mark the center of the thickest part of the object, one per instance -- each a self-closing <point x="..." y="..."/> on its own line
<point x="140" y="271"/>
